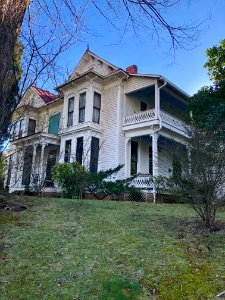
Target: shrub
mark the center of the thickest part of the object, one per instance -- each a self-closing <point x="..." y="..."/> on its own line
<point x="72" y="178"/>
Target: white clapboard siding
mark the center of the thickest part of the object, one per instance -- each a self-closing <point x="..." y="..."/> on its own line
<point x="138" y="83"/>
<point x="109" y="123"/>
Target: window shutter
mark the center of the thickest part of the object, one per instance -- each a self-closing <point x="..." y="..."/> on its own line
<point x="94" y="155"/>
<point x="54" y="124"/>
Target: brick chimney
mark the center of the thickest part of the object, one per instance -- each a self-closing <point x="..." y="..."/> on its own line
<point x="132" y="69"/>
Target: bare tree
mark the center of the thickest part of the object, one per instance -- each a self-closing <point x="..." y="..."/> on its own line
<point x="43" y="29"/>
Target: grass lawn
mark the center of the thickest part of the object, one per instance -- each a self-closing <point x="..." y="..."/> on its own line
<point x="64" y="249"/>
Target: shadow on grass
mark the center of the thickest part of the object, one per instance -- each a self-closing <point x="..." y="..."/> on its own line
<point x="117" y="288"/>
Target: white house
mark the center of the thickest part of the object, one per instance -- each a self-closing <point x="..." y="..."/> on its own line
<point x="103" y="116"/>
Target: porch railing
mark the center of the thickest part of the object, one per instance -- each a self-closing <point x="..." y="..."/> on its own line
<point x="140" y="117"/>
<point x="142" y="181"/>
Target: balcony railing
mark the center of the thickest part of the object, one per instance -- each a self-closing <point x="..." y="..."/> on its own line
<point x="140" y="117"/>
<point x="172" y="122"/>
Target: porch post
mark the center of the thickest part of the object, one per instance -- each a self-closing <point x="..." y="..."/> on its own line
<point x="62" y="151"/>
<point x="33" y="162"/>
<point x="41" y="175"/>
<point x="154" y="160"/>
<point x="127" y="156"/>
<point x="155" y="154"/>
<point x="157" y="104"/>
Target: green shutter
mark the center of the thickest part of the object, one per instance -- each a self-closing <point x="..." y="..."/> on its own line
<point x="54" y="124"/>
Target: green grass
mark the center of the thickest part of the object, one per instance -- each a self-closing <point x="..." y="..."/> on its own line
<point x="64" y="249"/>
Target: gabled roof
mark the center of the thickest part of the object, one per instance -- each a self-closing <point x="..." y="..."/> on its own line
<point x="86" y="63"/>
<point x="46" y="96"/>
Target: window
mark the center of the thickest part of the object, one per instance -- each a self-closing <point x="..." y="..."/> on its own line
<point x="96" y="108"/>
<point x="14" y="129"/>
<point x="27" y="165"/>
<point x="70" y="112"/>
<point x="94" y="155"/>
<point x="134" y="157"/>
<point x="9" y="173"/>
<point x="21" y="128"/>
<point x="67" y="151"/>
<point x="53" y="127"/>
<point x="50" y="164"/>
<point x="31" y="126"/>
<point x="82" y="101"/>
<point x="79" y="150"/>
<point x="143" y="106"/>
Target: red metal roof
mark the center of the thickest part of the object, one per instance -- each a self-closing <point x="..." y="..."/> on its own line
<point x="46" y="96"/>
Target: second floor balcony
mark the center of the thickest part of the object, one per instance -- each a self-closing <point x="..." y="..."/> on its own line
<point x="148" y="118"/>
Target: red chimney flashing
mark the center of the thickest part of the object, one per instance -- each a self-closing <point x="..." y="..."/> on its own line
<point x="132" y="69"/>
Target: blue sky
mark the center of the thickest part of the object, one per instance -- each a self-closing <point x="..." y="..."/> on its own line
<point x="185" y="70"/>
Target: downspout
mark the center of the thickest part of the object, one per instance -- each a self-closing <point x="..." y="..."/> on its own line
<point x="159" y="116"/>
<point x="160" y="125"/>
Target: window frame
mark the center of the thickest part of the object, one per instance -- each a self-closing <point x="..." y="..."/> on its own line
<point x="96" y="108"/>
<point x="82" y="96"/>
<point x="80" y="149"/>
<point x="67" y="152"/>
<point x="94" y="156"/>
<point x="21" y="128"/>
<point x="70" y="113"/>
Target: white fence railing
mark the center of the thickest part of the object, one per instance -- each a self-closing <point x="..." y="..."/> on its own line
<point x="142" y="181"/>
<point x="140" y="117"/>
<point x="173" y="121"/>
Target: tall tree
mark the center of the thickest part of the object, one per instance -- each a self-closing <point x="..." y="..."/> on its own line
<point x="11" y="17"/>
<point x="203" y="171"/>
<point x="216" y="62"/>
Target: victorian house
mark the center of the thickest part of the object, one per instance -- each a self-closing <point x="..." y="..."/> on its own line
<point x="103" y="116"/>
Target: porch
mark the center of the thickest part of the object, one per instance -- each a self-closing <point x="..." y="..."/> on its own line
<point x="151" y="156"/>
<point x="30" y="165"/>
<point x="152" y="107"/>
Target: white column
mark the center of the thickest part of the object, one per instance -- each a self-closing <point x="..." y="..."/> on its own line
<point x="73" y="150"/>
<point x="157" y="102"/>
<point x="61" y="151"/>
<point x="87" y="150"/>
<point x="119" y="127"/>
<point x="127" y="156"/>
<point x="155" y="154"/>
<point x="42" y="163"/>
<point x="154" y="160"/>
<point x="33" y="162"/>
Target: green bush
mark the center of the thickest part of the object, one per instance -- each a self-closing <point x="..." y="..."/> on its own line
<point x="72" y="178"/>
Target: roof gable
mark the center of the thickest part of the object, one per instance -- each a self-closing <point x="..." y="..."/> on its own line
<point x="92" y="62"/>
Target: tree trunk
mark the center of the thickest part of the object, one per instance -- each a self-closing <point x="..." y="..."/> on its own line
<point x="11" y="17"/>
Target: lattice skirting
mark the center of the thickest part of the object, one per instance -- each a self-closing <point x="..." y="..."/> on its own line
<point x="145" y="197"/>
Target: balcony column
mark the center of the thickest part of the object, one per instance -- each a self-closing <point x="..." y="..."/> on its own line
<point x="41" y="174"/>
<point x="157" y="100"/>
<point x="127" y="156"/>
<point x="154" y="160"/>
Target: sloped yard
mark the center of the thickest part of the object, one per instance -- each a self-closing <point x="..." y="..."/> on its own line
<point x="64" y="249"/>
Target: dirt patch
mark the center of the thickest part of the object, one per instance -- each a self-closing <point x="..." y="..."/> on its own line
<point x="8" y="203"/>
